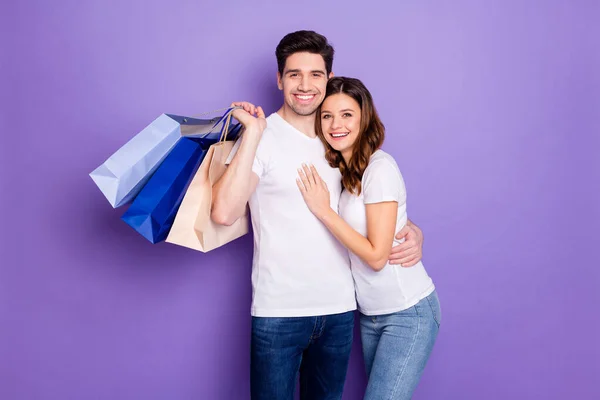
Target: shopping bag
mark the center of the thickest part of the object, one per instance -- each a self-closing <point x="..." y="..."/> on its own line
<point x="193" y="226"/>
<point x="122" y="175"/>
<point x="153" y="210"/>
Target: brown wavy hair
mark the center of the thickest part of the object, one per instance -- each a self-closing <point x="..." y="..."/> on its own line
<point x="370" y="138"/>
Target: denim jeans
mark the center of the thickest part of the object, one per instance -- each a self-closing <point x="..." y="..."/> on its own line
<point x="396" y="348"/>
<point x="318" y="348"/>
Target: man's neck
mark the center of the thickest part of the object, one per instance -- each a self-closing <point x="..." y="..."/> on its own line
<point x="304" y="123"/>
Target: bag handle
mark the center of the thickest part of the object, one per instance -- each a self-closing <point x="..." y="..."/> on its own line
<point x="211" y="112"/>
<point x="225" y="129"/>
<point x="227" y="114"/>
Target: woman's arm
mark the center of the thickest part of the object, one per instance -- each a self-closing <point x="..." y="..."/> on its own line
<point x="381" y="224"/>
<point x="381" y="221"/>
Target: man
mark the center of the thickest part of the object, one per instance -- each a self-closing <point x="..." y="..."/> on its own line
<point x="303" y="294"/>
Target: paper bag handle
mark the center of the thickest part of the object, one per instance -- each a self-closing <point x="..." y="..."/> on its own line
<point x="225" y="128"/>
<point x="227" y="114"/>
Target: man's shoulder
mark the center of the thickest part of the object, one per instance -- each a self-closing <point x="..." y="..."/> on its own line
<point x="274" y="121"/>
<point x="272" y="127"/>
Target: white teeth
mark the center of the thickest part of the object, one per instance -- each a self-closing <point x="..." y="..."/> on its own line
<point x="337" y="135"/>
<point x="305" y="97"/>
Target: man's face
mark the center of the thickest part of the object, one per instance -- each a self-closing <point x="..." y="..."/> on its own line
<point x="303" y="82"/>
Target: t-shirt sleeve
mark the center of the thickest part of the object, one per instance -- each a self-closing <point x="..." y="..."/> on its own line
<point x="260" y="159"/>
<point x="382" y="181"/>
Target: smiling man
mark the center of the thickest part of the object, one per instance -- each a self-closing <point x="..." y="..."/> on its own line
<point x="303" y="294"/>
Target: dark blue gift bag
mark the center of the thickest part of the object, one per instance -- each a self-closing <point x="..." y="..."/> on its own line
<point x="153" y="211"/>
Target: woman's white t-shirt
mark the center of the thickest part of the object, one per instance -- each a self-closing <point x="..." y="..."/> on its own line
<point x="394" y="288"/>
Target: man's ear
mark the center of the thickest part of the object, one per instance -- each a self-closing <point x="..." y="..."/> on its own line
<point x="279" y="84"/>
<point x="331" y="75"/>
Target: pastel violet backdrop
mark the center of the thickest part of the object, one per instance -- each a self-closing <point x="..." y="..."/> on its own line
<point x="491" y="109"/>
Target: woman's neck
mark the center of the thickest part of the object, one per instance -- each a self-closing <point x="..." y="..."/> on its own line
<point x="347" y="155"/>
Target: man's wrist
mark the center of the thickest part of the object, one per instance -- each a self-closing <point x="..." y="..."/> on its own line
<point x="251" y="135"/>
<point x="252" y="129"/>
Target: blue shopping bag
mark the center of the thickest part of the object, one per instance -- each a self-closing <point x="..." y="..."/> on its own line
<point x="153" y="211"/>
<point x="122" y="175"/>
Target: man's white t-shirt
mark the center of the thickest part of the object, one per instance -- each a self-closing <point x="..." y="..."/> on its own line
<point x="299" y="268"/>
<point x="394" y="288"/>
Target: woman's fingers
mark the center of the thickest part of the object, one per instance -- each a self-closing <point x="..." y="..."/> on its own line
<point x="315" y="174"/>
<point x="300" y="186"/>
<point x="309" y="174"/>
<point x="304" y="178"/>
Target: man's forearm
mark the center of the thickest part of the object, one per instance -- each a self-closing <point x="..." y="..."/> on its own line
<point x="232" y="191"/>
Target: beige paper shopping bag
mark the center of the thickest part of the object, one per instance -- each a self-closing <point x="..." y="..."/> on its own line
<point x="193" y="226"/>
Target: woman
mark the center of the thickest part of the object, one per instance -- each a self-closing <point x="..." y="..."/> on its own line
<point x="399" y="308"/>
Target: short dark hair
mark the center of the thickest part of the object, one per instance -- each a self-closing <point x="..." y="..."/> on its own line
<point x="304" y="41"/>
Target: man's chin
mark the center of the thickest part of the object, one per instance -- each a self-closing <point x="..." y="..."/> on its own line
<point x="304" y="111"/>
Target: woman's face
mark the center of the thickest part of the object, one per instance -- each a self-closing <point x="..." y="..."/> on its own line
<point x="340" y="122"/>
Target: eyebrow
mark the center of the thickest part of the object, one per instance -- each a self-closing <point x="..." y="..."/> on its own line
<point x="320" y="71"/>
<point x="344" y="110"/>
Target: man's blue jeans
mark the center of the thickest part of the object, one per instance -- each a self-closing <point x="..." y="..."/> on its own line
<point x="316" y="347"/>
<point x="396" y="348"/>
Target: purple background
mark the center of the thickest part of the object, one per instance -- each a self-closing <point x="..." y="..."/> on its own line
<point x="492" y="111"/>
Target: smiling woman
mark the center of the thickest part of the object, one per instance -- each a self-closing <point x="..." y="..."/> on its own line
<point x="349" y="126"/>
<point x="340" y="119"/>
<point x="400" y="311"/>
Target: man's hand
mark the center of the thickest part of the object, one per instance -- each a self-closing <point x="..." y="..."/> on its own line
<point x="410" y="252"/>
<point x="250" y="116"/>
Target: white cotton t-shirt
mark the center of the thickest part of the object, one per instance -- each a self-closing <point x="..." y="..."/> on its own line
<point x="394" y="288"/>
<point x="299" y="268"/>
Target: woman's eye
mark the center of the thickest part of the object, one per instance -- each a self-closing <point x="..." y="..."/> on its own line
<point x="347" y="115"/>
<point x="325" y="116"/>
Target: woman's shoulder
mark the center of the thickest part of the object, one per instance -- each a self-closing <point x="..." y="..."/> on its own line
<point x="382" y="160"/>
<point x="382" y="180"/>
